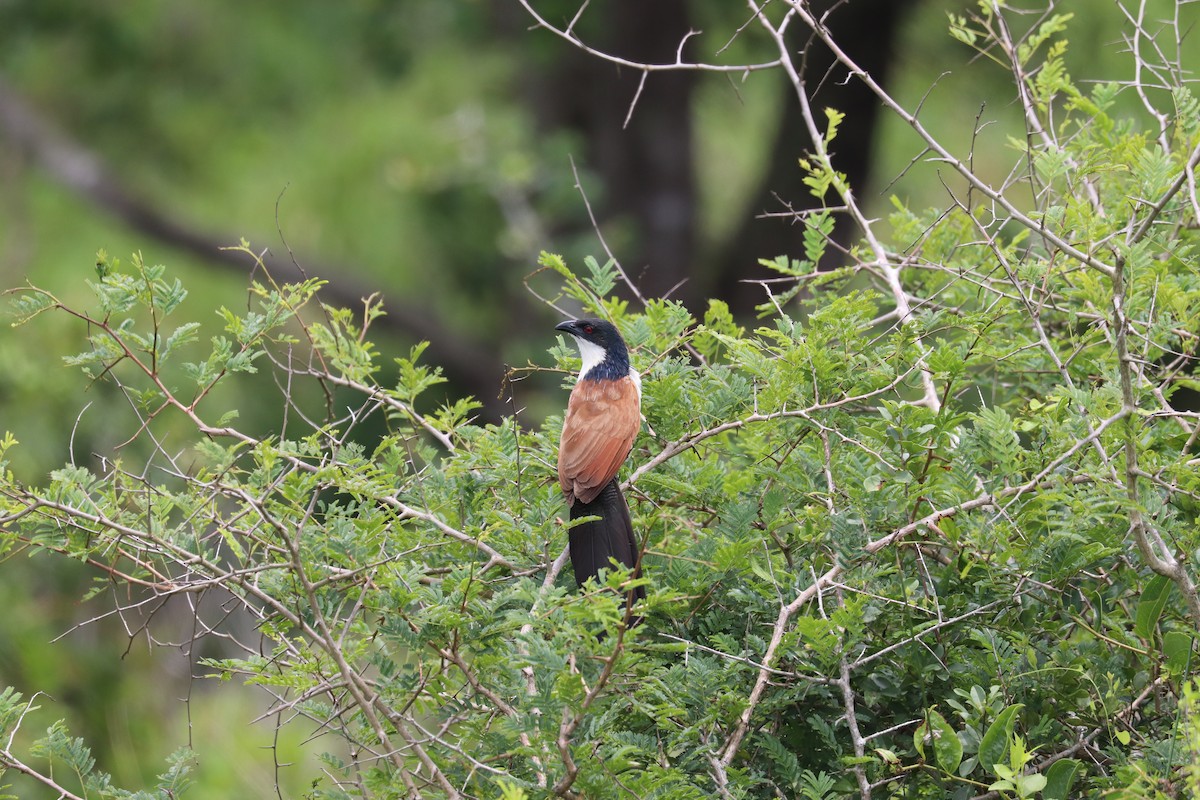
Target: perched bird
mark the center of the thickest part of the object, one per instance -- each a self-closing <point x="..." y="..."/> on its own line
<point x="603" y="417"/>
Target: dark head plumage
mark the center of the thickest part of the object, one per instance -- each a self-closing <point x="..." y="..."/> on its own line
<point x="605" y="356"/>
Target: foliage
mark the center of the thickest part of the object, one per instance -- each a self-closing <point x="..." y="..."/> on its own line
<point x="927" y="530"/>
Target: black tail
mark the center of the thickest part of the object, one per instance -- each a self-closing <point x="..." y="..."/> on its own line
<point x="594" y="543"/>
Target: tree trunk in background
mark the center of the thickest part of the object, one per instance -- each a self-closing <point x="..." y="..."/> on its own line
<point x="646" y="167"/>
<point x="867" y="30"/>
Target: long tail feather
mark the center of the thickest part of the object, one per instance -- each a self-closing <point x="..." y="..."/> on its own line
<point x="594" y="543"/>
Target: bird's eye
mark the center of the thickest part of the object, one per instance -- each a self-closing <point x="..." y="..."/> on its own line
<point x="588" y="329"/>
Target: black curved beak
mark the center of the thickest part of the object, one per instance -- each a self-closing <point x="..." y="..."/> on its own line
<point x="568" y="326"/>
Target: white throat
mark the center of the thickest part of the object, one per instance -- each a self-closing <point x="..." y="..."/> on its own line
<point x="592" y="354"/>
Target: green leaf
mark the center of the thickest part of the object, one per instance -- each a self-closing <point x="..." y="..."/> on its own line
<point x="184" y="334"/>
<point x="835" y="118"/>
<point x="1059" y="777"/>
<point x="28" y="304"/>
<point x="1177" y="651"/>
<point x="994" y="745"/>
<point x="1150" y="607"/>
<point x="555" y="262"/>
<point x="947" y="748"/>
<point x="1031" y="784"/>
<point x="602" y="278"/>
<point x="511" y="791"/>
<point x="1055" y="24"/>
<point x="960" y="31"/>
<point x="818" y="228"/>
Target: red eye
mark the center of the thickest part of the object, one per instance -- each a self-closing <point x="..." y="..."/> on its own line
<point x="588" y="329"/>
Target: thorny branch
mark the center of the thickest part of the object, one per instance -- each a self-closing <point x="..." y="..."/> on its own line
<point x="405" y="738"/>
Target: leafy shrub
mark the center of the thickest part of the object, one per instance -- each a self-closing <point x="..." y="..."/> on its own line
<point x="926" y="530"/>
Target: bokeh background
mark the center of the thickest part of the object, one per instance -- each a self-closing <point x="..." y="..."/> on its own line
<point x="425" y="151"/>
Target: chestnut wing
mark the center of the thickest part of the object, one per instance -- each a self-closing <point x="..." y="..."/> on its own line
<point x="603" y="418"/>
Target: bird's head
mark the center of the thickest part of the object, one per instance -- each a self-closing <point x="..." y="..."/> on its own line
<point x="600" y="345"/>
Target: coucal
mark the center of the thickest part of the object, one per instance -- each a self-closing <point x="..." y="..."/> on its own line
<point x="603" y="417"/>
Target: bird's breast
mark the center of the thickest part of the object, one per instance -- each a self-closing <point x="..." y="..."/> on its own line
<point x="602" y="420"/>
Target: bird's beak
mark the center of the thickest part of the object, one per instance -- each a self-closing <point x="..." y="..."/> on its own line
<point x="567" y="327"/>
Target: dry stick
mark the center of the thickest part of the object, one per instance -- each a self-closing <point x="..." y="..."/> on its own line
<point x="890" y="272"/>
<point x="832" y="574"/>
<point x="569" y="35"/>
<point x="843" y="681"/>
<point x="356" y="685"/>
<point x="1091" y="438"/>
<point x="9" y="761"/>
<point x="587" y="205"/>
<point x="530" y="681"/>
<point x="571" y="721"/>
<point x="864" y="660"/>
<point x="1186" y="178"/>
<point x="1139" y="64"/>
<point x="1190" y="182"/>
<point x="672" y="449"/>
<point x="750" y="662"/>
<point x="381" y="395"/>
<point x="856" y="737"/>
<point x="720" y="776"/>
<point x="440" y="738"/>
<point x="997" y="197"/>
<point x="1153" y="549"/>
<point x="406" y="511"/>
<point x="1032" y="123"/>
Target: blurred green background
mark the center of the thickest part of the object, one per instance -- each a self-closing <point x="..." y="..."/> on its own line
<point x="426" y="151"/>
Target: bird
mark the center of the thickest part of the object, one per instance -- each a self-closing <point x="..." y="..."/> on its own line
<point x="603" y="418"/>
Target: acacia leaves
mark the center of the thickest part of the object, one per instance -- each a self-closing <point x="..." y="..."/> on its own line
<point x="786" y="476"/>
<point x="926" y="528"/>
